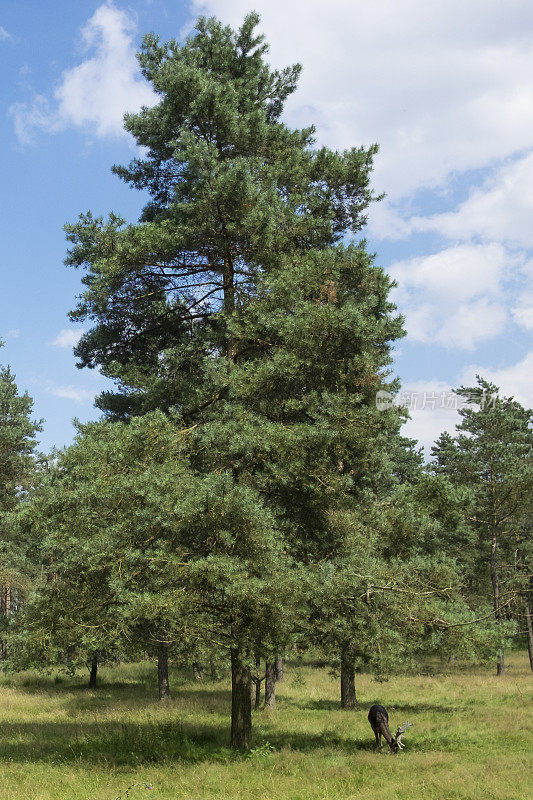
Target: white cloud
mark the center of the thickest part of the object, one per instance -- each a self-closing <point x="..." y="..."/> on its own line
<point x="69" y="393"/>
<point x="523" y="312"/>
<point x="96" y="93"/>
<point x="442" y="87"/>
<point x="514" y="381"/>
<point x="523" y="309"/>
<point x="453" y="298"/>
<point x="14" y="333"/>
<point x="67" y="338"/>
<point x="500" y="210"/>
<point x="28" y="117"/>
<point x="4" y="34"/>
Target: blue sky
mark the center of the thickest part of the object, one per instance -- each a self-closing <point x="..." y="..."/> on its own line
<point x="445" y="88"/>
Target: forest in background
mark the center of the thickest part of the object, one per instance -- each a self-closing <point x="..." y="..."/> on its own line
<point x="244" y="496"/>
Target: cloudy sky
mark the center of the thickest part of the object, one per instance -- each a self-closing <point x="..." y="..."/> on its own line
<point x="445" y="88"/>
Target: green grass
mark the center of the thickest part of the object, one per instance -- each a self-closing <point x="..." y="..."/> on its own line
<point x="472" y="738"/>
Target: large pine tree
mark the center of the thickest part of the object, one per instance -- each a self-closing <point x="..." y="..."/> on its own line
<point x="234" y="303"/>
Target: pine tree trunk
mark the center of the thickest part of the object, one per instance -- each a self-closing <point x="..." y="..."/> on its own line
<point x="270" y="684"/>
<point x="162" y="671"/>
<point x="257" y="698"/>
<point x="256" y="687"/>
<point x="228" y="285"/>
<point x="529" y="632"/>
<point x="500" y="660"/>
<point x="93" y="671"/>
<point x="279" y="670"/>
<point x="348" y="696"/>
<point x="241" y="703"/>
<point x="5" y="608"/>
<point x="519" y="568"/>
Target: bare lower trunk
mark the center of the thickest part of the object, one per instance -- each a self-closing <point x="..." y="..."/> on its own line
<point x="256" y="685"/>
<point x="348" y="696"/>
<point x="500" y="659"/>
<point x="500" y="663"/>
<point x="529" y="625"/>
<point x="241" y="703"/>
<point x="257" y="695"/>
<point x="228" y="285"/>
<point x="5" y="609"/>
<point x="279" y="670"/>
<point x="93" y="671"/>
<point x="270" y="684"/>
<point x="162" y="671"/>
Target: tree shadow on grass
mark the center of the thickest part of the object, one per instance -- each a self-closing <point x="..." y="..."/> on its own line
<point x="414" y="708"/>
<point x="328" y="740"/>
<point x="324" y="705"/>
<point x="79" y="697"/>
<point x="184" y="699"/>
<point x="422" y="708"/>
<point x="60" y="683"/>
<point x="115" y="744"/>
<point x="210" y="699"/>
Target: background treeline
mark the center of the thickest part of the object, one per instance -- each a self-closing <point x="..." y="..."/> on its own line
<point x="243" y="495"/>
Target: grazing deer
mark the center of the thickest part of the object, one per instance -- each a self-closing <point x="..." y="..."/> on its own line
<point x="379" y="721"/>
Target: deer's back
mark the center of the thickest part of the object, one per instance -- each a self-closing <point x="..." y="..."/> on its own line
<point x="378" y="715"/>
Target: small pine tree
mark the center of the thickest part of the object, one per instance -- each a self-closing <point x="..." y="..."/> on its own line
<point x="491" y="457"/>
<point x="17" y="477"/>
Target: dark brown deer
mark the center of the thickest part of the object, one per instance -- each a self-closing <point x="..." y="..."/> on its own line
<point x="379" y="721"/>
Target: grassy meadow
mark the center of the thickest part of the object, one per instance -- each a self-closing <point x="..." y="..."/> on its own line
<point x="472" y="738"/>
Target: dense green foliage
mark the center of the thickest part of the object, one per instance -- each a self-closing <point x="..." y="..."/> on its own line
<point x="139" y="548"/>
<point x="233" y="193"/>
